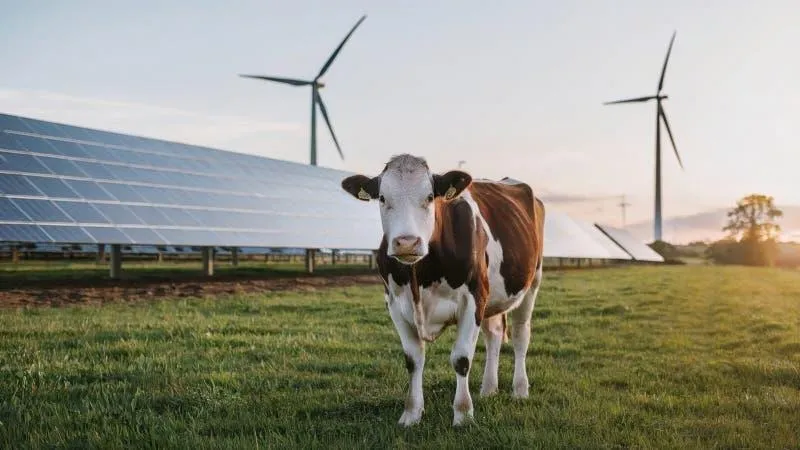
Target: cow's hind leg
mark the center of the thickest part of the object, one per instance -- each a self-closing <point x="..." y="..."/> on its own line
<point x="493" y="333"/>
<point x="414" y="349"/>
<point x="521" y="336"/>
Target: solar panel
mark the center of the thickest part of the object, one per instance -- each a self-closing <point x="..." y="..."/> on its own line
<point x="66" y="184"/>
<point x="636" y="248"/>
<point x="564" y="237"/>
<point x="614" y="250"/>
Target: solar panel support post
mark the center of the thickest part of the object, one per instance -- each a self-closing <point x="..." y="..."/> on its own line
<point x="333" y="257"/>
<point x="208" y="261"/>
<point x="235" y="257"/>
<point x="373" y="260"/>
<point x="310" y="253"/>
<point x="15" y="254"/>
<point x="101" y="253"/>
<point x="116" y="261"/>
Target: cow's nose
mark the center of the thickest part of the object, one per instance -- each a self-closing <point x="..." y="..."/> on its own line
<point x="406" y="243"/>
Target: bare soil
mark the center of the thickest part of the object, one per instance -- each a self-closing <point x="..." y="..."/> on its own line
<point x="97" y="292"/>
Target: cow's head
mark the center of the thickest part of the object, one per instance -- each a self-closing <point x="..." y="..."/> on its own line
<point x="407" y="192"/>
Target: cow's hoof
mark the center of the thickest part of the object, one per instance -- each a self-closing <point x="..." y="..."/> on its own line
<point x="410" y="418"/>
<point x="520" y="391"/>
<point x="463" y="418"/>
<point x="488" y="391"/>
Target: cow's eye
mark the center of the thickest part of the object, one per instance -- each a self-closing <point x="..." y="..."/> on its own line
<point x="430" y="198"/>
<point x="382" y="199"/>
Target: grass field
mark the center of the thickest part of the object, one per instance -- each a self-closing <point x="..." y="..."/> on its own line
<point x="648" y="357"/>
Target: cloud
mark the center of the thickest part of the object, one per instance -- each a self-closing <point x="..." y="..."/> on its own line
<point x="137" y="118"/>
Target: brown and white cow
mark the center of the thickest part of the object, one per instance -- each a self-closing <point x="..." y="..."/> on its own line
<point x="456" y="251"/>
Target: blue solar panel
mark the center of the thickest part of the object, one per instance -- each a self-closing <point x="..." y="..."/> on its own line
<point x="59" y="233"/>
<point x="72" y="149"/>
<point x="151" y="215"/>
<point x="34" y="144"/>
<point x="95" y="170"/>
<point x="108" y="235"/>
<point x="118" y="214"/>
<point x="144" y="235"/>
<point x="41" y="210"/>
<point x="21" y="162"/>
<point x="13" y="123"/>
<point x="9" y="212"/>
<point x="64" y="167"/>
<point x="9" y="142"/>
<point x="22" y="233"/>
<point x="17" y="185"/>
<point x="123" y="192"/>
<point x="82" y="212"/>
<point x="89" y="190"/>
<point x="53" y="187"/>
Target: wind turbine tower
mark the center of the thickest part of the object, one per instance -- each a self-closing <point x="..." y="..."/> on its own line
<point x="661" y="116"/>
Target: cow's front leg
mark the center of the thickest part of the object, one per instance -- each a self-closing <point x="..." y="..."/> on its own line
<point x="414" y="349"/>
<point x="461" y="359"/>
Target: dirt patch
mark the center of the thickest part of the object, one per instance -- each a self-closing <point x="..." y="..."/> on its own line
<point x="107" y="291"/>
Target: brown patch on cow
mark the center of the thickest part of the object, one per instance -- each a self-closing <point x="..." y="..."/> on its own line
<point x="516" y="219"/>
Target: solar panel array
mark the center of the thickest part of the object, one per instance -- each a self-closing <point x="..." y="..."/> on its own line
<point x="565" y="237"/>
<point x="66" y="184"/>
<point x="60" y="183"/>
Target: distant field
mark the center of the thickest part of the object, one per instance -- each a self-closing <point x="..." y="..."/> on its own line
<point x="643" y="357"/>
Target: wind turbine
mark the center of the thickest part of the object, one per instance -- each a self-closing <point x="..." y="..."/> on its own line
<point x="316" y="99"/>
<point x="660" y="116"/>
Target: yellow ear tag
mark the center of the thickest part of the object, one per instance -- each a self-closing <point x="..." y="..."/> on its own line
<point x="362" y="194"/>
<point x="451" y="192"/>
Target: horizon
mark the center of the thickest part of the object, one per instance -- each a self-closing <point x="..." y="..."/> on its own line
<point x="95" y="65"/>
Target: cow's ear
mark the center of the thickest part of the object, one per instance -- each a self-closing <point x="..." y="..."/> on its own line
<point x="451" y="184"/>
<point x="361" y="187"/>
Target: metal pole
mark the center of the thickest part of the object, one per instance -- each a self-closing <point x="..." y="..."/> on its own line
<point x="208" y="261"/>
<point x="235" y="257"/>
<point x="310" y="253"/>
<point x="101" y="253"/>
<point x="116" y="261"/>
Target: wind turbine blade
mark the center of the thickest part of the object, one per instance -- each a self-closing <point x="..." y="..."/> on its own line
<point x="669" y="132"/>
<point x="632" y="100"/>
<point x="339" y="48"/>
<point x="666" y="60"/>
<point x="328" y="122"/>
<point x="292" y="81"/>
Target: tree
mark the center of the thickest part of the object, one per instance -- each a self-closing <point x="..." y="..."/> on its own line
<point x="754" y="218"/>
<point x="752" y="224"/>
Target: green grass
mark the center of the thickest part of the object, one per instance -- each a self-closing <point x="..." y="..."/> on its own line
<point x="648" y="357"/>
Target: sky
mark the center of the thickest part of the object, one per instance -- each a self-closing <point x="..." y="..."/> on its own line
<point x="513" y="88"/>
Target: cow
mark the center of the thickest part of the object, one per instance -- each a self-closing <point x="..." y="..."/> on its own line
<point x="456" y="251"/>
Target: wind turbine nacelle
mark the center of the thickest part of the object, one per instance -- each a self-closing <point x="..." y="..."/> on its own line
<point x="319" y="84"/>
